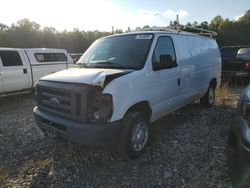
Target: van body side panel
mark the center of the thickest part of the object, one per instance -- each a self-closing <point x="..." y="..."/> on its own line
<point x="161" y="95"/>
<point x="199" y="62"/>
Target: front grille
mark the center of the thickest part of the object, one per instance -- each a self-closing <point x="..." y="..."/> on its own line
<point x="67" y="100"/>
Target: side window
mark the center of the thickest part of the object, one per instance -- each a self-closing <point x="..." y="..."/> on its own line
<point x="10" y="58"/>
<point x="61" y="57"/>
<point x="164" y="46"/>
<point x="50" y="57"/>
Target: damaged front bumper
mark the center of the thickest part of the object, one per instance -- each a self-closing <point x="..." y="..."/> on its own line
<point x="90" y="134"/>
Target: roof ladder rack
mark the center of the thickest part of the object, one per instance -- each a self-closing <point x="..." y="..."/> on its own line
<point x="180" y="28"/>
<point x="205" y="32"/>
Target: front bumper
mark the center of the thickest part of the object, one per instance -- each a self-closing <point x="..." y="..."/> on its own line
<point x="81" y="133"/>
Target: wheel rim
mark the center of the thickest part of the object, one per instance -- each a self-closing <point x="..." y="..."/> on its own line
<point x="139" y="136"/>
<point x="211" y="95"/>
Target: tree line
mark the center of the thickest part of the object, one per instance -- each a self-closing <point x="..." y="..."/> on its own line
<point x="28" y="34"/>
<point x="230" y="32"/>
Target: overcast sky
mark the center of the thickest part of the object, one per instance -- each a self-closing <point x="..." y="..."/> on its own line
<point x="103" y="14"/>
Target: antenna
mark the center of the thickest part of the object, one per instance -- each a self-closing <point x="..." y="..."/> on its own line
<point x="177" y="19"/>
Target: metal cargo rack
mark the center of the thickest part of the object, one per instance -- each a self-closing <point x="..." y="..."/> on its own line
<point x="179" y="29"/>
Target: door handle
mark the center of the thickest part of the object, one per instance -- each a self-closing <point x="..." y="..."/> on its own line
<point x="25" y="71"/>
<point x="179" y="82"/>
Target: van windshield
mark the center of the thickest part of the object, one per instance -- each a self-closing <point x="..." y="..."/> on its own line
<point x="118" y="52"/>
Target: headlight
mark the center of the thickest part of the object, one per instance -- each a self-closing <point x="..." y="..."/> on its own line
<point x="100" y="110"/>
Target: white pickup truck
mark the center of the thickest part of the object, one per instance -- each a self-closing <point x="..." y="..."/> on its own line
<point x="20" y="69"/>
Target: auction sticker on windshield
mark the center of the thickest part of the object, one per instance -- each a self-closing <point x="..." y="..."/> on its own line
<point x="143" y="37"/>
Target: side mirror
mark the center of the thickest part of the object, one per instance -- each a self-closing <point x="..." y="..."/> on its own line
<point x="166" y="62"/>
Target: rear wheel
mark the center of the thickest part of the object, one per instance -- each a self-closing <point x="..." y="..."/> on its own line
<point x="134" y="137"/>
<point x="208" y="99"/>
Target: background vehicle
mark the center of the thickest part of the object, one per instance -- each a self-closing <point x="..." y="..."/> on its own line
<point x="75" y="56"/>
<point x="236" y="61"/>
<point x="124" y="82"/>
<point x="20" y="69"/>
<point x="239" y="144"/>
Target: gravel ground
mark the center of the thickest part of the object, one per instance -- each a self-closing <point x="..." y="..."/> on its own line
<point x="189" y="150"/>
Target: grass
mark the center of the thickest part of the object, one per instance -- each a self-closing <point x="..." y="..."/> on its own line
<point x="3" y="176"/>
<point x="39" y="164"/>
<point x="222" y="94"/>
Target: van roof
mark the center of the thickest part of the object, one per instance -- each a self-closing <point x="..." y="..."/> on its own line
<point x="174" y="32"/>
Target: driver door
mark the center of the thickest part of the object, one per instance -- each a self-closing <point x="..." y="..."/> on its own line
<point x="166" y="81"/>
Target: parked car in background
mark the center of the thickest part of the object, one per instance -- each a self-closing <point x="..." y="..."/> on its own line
<point x="239" y="144"/>
<point x="124" y="82"/>
<point x="75" y="56"/>
<point x="236" y="61"/>
<point x="20" y="69"/>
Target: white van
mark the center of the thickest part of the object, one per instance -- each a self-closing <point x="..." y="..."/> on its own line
<point x="122" y="83"/>
<point x="20" y="69"/>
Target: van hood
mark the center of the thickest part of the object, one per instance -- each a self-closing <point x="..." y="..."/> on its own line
<point x="90" y="76"/>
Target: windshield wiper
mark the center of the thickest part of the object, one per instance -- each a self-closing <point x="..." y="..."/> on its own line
<point x="108" y="63"/>
<point x="112" y="64"/>
<point x="103" y="64"/>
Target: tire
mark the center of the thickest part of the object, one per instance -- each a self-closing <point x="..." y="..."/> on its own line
<point x="208" y="99"/>
<point x="134" y="136"/>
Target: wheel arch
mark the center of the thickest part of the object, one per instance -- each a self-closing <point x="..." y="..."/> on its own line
<point x="143" y="107"/>
<point x="213" y="82"/>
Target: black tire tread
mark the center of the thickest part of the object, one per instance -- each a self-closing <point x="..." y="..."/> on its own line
<point x="123" y="145"/>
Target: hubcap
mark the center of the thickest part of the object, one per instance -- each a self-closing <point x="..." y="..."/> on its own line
<point x="139" y="136"/>
<point x="211" y="95"/>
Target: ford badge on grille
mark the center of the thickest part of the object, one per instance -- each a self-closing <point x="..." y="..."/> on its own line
<point x="54" y="100"/>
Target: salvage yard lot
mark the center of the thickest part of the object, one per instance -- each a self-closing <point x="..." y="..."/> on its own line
<point x="189" y="150"/>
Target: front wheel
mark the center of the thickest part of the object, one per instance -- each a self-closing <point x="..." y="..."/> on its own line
<point x="208" y="99"/>
<point x="134" y="137"/>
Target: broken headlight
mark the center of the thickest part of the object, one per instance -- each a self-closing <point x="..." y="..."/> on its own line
<point x="100" y="108"/>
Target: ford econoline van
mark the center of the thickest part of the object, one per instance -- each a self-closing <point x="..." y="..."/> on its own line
<point x="123" y="83"/>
